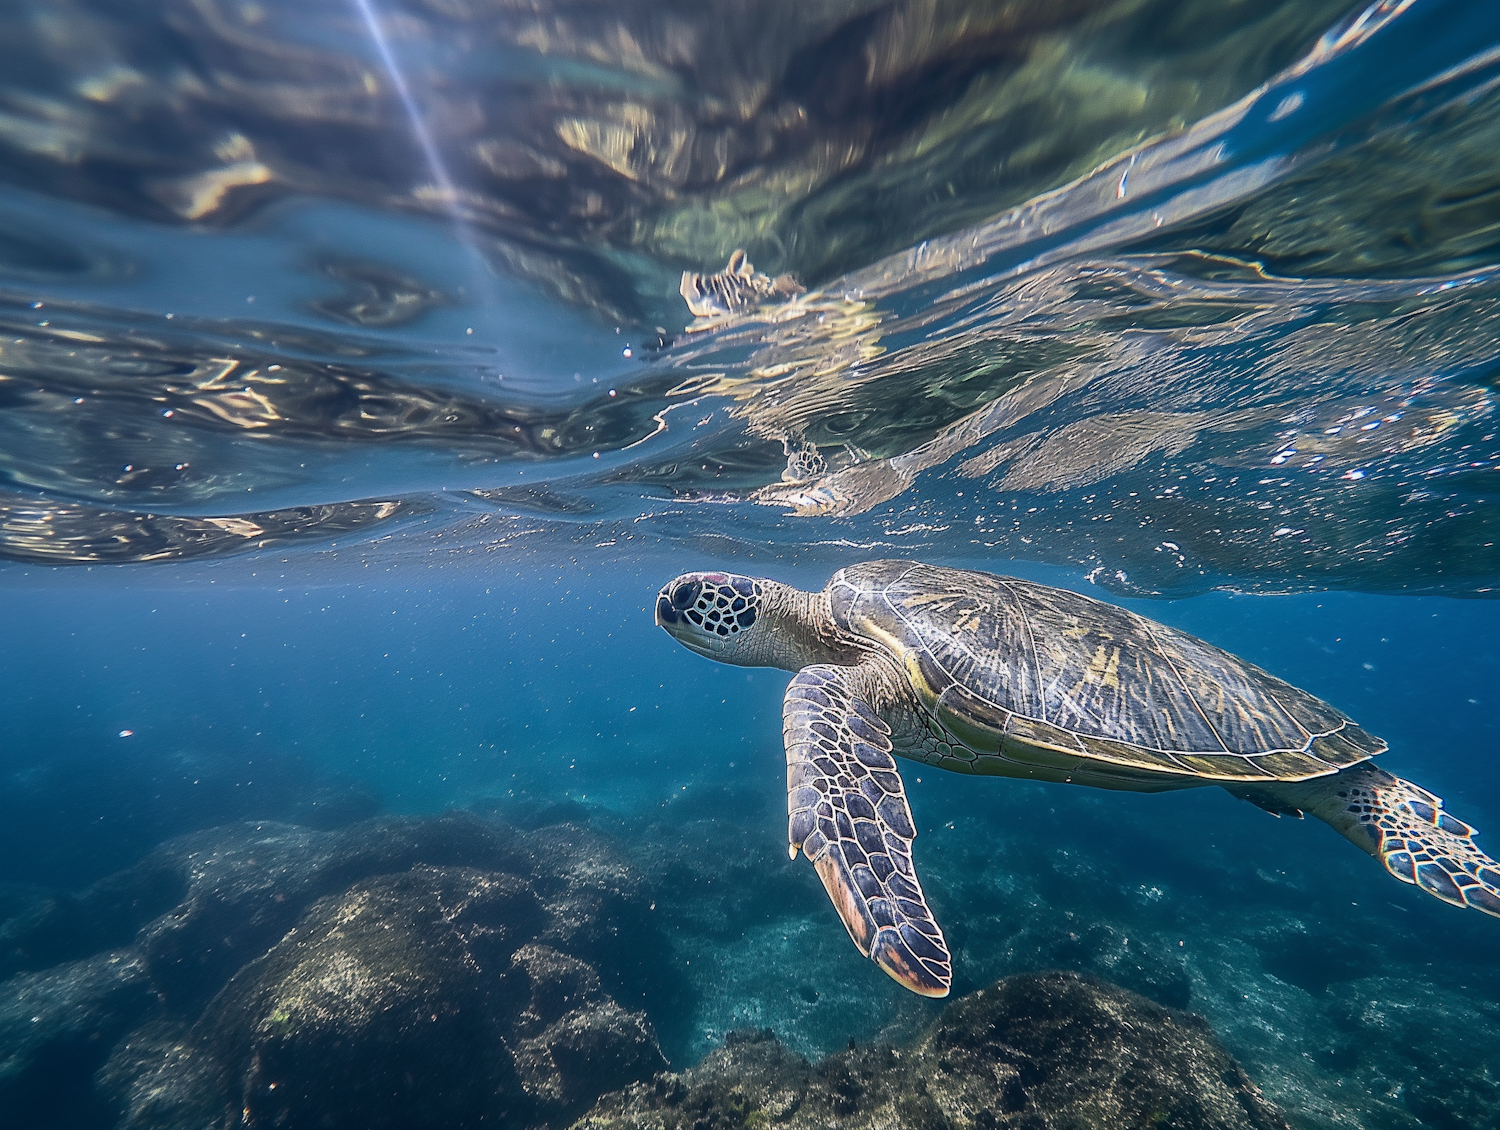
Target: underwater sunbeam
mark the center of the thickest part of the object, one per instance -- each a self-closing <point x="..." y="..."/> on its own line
<point x="430" y="154"/>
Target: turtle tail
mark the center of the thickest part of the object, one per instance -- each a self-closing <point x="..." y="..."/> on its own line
<point x="1404" y="826"/>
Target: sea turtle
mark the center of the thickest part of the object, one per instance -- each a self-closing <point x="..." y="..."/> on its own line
<point x="985" y="674"/>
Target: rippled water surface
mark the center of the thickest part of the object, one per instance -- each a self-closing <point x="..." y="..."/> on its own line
<point x="352" y="412"/>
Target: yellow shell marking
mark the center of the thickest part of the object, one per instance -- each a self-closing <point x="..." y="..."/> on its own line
<point x="1102" y="670"/>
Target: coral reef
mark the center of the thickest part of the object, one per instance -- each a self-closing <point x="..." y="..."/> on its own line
<point x="439" y="972"/>
<point x="1035" y="1050"/>
<point x="510" y="967"/>
<point x="1234" y="915"/>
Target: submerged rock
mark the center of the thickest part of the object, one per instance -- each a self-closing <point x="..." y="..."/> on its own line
<point x="1032" y="1052"/>
<point x="571" y="1042"/>
<point x="445" y="971"/>
<point x="403" y="1002"/>
<point x="50" y="1023"/>
<point x="394" y="972"/>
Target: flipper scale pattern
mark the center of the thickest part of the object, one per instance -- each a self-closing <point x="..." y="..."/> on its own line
<point x="1418" y="842"/>
<point x="847" y="812"/>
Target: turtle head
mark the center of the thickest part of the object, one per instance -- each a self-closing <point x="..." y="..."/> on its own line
<point x="714" y="614"/>
<point x="752" y="622"/>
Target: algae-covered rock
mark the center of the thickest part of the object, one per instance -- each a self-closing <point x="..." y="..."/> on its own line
<point x="52" y="1022"/>
<point x="403" y="972"/>
<point x="1033" y="1052"/>
<point x="408" y="1000"/>
<point x="1087" y="1053"/>
<point x="394" y="971"/>
<point x="571" y="1042"/>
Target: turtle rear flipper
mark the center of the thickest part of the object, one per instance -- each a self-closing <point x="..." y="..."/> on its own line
<point x="847" y="813"/>
<point x="1405" y="827"/>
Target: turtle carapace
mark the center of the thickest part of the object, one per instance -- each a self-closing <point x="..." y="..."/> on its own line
<point x="983" y="674"/>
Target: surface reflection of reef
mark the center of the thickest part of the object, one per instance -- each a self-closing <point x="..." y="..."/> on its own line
<point x="1259" y="352"/>
<point x="815" y="135"/>
<point x="71" y="534"/>
<point x="98" y="407"/>
<point x="1173" y="431"/>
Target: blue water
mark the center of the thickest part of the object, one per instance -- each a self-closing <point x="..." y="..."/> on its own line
<point x="550" y="681"/>
<point x="267" y="554"/>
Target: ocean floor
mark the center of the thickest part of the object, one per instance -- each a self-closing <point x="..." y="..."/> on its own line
<point x="586" y="947"/>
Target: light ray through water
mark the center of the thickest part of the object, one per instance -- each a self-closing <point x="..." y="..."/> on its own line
<point x="430" y="154"/>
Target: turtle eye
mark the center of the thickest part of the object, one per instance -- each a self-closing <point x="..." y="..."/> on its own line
<point x="684" y="593"/>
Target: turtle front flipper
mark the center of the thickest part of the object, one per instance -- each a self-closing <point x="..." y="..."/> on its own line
<point x="1405" y="827"/>
<point x="848" y="814"/>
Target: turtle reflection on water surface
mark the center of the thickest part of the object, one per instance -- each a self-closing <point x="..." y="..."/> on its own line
<point x="993" y="675"/>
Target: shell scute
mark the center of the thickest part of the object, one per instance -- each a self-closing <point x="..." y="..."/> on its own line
<point x="1338" y="750"/>
<point x="975" y="720"/>
<point x="1118" y="754"/>
<point x="1290" y="765"/>
<point x="1226" y="768"/>
<point x="1031" y="731"/>
<point x="1365" y="744"/>
<point x="1103" y="674"/>
<point x="1023" y="752"/>
<point x="1037" y="674"/>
